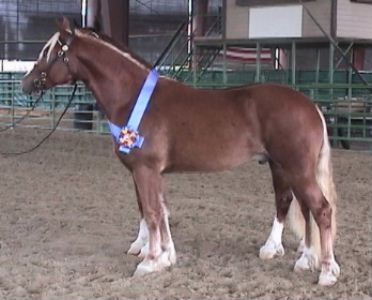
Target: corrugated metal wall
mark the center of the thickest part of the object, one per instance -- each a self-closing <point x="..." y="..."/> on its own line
<point x="354" y="20"/>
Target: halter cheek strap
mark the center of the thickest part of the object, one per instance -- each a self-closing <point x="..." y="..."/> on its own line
<point x="128" y="137"/>
<point x="40" y="82"/>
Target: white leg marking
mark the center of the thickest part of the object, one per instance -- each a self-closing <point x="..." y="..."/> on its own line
<point x="144" y="250"/>
<point x="329" y="273"/>
<point x="167" y="241"/>
<point x="141" y="241"/>
<point x="307" y="261"/>
<point x="301" y="247"/>
<point x="154" y="261"/>
<point x="166" y="255"/>
<point x="273" y="245"/>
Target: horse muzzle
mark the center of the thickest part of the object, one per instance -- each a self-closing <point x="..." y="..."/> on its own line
<point x="39" y="83"/>
<point x="27" y="86"/>
<point x="35" y="85"/>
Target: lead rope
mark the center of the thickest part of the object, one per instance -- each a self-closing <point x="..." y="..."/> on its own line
<point x="24" y="116"/>
<point x="49" y="134"/>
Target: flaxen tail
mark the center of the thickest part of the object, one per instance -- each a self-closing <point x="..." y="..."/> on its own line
<point x="324" y="178"/>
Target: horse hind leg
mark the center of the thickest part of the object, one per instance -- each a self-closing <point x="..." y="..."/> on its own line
<point x="273" y="245"/>
<point x="313" y="200"/>
<point x="317" y="194"/>
<point x="283" y="198"/>
<point x="308" y="249"/>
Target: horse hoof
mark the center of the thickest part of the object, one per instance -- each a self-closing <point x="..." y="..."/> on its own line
<point x="336" y="269"/>
<point x="143" y="268"/>
<point x="269" y="251"/>
<point x="172" y="256"/>
<point x="307" y="261"/>
<point x="135" y="248"/>
<point x="144" y="251"/>
<point x="153" y="265"/>
<point x="327" y="279"/>
<point x="328" y="275"/>
<point x="302" y="264"/>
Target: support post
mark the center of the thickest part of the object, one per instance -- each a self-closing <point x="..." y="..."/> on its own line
<point x="13" y="104"/>
<point x="331" y="81"/>
<point x="53" y="96"/>
<point x="293" y="63"/>
<point x="110" y="16"/>
<point x="199" y="12"/>
<point x="224" y="75"/>
<point x="331" y="67"/>
<point x="317" y="72"/>
<point x="258" y="62"/>
<point x="350" y="92"/>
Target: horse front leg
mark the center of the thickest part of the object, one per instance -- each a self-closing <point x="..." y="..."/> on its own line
<point x="160" y="253"/>
<point x="140" y="245"/>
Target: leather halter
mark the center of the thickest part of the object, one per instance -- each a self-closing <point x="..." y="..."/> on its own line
<point x="39" y="83"/>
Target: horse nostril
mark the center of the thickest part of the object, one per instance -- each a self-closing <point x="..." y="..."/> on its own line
<point x="25" y="89"/>
<point x="26" y="86"/>
<point x="36" y="83"/>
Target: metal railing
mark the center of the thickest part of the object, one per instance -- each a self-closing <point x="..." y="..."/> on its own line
<point x="347" y="107"/>
<point x="14" y="104"/>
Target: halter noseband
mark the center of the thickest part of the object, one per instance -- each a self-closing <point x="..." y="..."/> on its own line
<point x="39" y="83"/>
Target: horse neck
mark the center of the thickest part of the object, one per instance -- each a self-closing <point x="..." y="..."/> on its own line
<point x="114" y="77"/>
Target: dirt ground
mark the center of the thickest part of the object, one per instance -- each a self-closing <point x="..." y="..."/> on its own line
<point x="68" y="214"/>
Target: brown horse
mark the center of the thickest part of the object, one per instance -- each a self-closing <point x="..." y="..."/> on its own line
<point x="189" y="129"/>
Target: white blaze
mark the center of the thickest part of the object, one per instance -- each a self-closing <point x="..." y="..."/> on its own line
<point x="51" y="43"/>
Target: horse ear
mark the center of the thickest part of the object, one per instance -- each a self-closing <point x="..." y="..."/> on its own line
<point x="64" y="25"/>
<point x="66" y="31"/>
<point x="76" y="24"/>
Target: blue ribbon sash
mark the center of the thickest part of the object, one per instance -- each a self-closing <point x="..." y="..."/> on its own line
<point x="128" y="136"/>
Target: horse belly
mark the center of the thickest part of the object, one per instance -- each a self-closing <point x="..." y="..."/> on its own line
<point x="214" y="152"/>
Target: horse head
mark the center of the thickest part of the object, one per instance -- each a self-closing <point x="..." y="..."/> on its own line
<point x="55" y="64"/>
